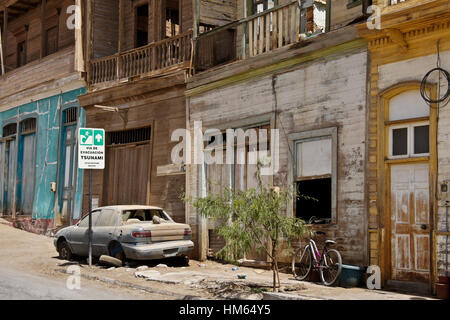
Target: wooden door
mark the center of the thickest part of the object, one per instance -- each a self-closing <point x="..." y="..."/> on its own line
<point x="410" y="223"/>
<point x="68" y="171"/>
<point x="126" y="174"/>
<point x="27" y="166"/>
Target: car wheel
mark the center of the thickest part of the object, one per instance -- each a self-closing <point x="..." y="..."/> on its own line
<point x="116" y="251"/>
<point x="183" y="261"/>
<point x="64" y="250"/>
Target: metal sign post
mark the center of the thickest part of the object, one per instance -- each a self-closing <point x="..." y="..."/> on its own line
<point x="91" y="156"/>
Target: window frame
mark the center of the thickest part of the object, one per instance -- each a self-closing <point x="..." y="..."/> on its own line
<point x="410" y="139"/>
<point x="295" y="138"/>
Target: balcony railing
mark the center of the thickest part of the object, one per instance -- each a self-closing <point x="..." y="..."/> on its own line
<point x="261" y="33"/>
<point x="394" y="2"/>
<point x="152" y="58"/>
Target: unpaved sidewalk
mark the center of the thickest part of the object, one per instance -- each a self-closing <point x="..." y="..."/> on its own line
<point x="36" y="254"/>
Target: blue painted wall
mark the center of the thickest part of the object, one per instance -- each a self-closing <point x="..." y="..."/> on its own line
<point x="48" y="113"/>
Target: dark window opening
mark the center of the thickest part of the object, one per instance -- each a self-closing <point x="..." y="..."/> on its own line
<point x="172" y="23"/>
<point x="203" y="27"/>
<point x="9" y="130"/>
<point x="28" y="126"/>
<point x="51" y="40"/>
<point x="141" y="25"/>
<point x="21" y="54"/>
<point x="400" y="142"/>
<point x="70" y="116"/>
<point x="314" y="200"/>
<point x="129" y="136"/>
<point x="422" y="139"/>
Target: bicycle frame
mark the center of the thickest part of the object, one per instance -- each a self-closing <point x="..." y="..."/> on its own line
<point x="316" y="255"/>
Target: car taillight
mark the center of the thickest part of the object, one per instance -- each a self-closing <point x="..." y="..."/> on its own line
<point x="187" y="232"/>
<point x="142" y="234"/>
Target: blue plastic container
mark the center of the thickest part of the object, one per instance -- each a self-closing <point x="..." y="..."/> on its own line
<point x="351" y="276"/>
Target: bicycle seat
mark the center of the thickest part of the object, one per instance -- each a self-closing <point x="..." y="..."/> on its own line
<point x="330" y="242"/>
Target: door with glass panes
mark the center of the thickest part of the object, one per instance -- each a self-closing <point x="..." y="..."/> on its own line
<point x="408" y="134"/>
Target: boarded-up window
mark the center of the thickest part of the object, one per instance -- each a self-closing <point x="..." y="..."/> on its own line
<point x="408" y="105"/>
<point x="314" y="157"/>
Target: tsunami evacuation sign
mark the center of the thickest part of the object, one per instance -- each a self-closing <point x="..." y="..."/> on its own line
<point x="91" y="148"/>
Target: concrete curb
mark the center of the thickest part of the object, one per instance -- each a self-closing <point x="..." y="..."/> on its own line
<point x="135" y="286"/>
<point x="287" y="296"/>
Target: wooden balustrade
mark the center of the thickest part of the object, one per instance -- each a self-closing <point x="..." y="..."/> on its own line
<point x="273" y="29"/>
<point x="144" y="60"/>
<point x="394" y="2"/>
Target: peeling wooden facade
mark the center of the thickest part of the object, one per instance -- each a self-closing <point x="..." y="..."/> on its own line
<point x="312" y="89"/>
<point x="407" y="222"/>
<point x="40" y="185"/>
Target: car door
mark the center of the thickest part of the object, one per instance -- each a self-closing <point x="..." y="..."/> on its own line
<point x="79" y="237"/>
<point x="103" y="231"/>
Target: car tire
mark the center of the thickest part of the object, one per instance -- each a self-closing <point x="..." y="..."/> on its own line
<point x="110" y="261"/>
<point x="64" y="250"/>
<point x="183" y="261"/>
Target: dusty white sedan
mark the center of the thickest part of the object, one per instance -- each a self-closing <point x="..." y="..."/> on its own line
<point x="131" y="232"/>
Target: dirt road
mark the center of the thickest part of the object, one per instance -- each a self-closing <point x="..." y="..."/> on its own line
<point x="30" y="258"/>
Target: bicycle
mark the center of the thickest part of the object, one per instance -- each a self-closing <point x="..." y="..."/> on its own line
<point x="329" y="262"/>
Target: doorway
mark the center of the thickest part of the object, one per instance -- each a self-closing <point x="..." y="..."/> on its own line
<point x="410" y="223"/>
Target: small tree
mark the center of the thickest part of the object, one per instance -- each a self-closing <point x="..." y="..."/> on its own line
<point x="252" y="219"/>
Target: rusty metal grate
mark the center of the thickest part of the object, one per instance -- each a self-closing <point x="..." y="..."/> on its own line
<point x="28" y="126"/>
<point x="129" y="136"/>
<point x="70" y="115"/>
<point x="10" y="130"/>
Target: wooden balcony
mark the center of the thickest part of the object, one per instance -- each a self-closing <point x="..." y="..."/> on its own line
<point x="154" y="58"/>
<point x="394" y="2"/>
<point x="255" y="35"/>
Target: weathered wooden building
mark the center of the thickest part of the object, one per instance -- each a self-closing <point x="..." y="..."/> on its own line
<point x="40" y="186"/>
<point x="408" y="142"/>
<point x="308" y="82"/>
<point x="137" y="71"/>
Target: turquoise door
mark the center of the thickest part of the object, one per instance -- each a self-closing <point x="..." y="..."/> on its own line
<point x="68" y="173"/>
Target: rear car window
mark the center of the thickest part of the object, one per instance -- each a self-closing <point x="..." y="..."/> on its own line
<point x="143" y="215"/>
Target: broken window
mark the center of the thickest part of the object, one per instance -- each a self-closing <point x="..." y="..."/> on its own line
<point x="172" y="18"/>
<point x="141" y="25"/>
<point x="313" y="179"/>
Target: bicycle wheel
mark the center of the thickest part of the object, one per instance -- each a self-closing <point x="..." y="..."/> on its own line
<point x="330" y="267"/>
<point x="301" y="263"/>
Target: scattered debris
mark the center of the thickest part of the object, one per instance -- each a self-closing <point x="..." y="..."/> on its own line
<point x="146" y="274"/>
<point x="235" y="268"/>
<point x="112" y="268"/>
<point x="110" y="261"/>
<point x="161" y="265"/>
<point x="242" y="276"/>
<point x="141" y="268"/>
<point x="202" y="265"/>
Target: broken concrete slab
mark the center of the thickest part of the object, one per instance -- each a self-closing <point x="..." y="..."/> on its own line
<point x="141" y="268"/>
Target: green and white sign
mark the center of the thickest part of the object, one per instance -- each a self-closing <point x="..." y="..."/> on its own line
<point x="91" y="148"/>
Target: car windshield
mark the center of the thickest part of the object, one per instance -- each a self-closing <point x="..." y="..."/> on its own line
<point x="143" y="214"/>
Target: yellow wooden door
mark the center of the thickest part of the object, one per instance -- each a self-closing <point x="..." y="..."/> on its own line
<point x="410" y="223"/>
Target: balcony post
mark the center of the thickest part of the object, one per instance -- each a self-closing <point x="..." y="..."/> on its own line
<point x="4" y="39"/>
<point x="43" y="14"/>
<point x="121" y="33"/>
